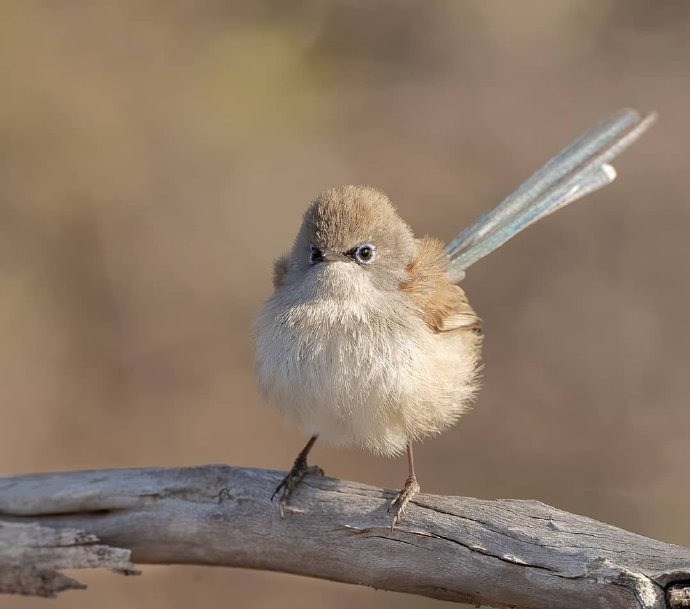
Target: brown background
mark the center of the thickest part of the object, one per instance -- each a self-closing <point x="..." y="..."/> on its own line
<point x="156" y="156"/>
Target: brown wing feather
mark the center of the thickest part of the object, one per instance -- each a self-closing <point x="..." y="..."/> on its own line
<point x="442" y="304"/>
<point x="280" y="268"/>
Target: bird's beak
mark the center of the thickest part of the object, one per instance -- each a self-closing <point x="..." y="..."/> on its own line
<point x="330" y="255"/>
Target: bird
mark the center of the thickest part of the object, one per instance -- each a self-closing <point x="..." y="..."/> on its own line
<point x="368" y="340"/>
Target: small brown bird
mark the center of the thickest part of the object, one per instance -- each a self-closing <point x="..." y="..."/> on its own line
<point x="367" y="340"/>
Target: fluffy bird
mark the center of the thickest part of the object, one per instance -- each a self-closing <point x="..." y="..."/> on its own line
<point x="367" y="341"/>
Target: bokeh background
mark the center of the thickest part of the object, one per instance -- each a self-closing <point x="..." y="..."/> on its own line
<point x="155" y="157"/>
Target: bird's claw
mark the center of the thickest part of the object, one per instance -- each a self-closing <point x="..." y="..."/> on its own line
<point x="288" y="484"/>
<point x="399" y="505"/>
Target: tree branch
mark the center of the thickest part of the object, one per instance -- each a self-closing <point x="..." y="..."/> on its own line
<point x="501" y="553"/>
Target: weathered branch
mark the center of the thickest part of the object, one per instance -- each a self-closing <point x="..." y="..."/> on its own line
<point x="30" y="556"/>
<point x="506" y="552"/>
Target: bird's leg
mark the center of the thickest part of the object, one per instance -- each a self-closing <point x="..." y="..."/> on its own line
<point x="408" y="491"/>
<point x="299" y="469"/>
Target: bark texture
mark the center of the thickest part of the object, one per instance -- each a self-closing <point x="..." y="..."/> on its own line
<point x="500" y="553"/>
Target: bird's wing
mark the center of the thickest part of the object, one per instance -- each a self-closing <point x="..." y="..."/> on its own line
<point x="280" y="268"/>
<point x="442" y="304"/>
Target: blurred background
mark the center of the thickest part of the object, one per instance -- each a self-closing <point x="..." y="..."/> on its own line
<point x="155" y="157"/>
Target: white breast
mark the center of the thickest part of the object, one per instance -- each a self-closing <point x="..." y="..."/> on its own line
<point x="356" y="365"/>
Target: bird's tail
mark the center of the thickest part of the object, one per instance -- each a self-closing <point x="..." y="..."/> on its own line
<point x="579" y="169"/>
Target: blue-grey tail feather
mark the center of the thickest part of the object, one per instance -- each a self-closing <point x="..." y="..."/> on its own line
<point x="579" y="169"/>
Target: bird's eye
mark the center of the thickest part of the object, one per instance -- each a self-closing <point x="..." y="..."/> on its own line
<point x="315" y="254"/>
<point x="365" y="253"/>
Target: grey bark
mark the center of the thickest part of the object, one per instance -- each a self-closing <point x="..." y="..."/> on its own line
<point x="30" y="556"/>
<point x="500" y="553"/>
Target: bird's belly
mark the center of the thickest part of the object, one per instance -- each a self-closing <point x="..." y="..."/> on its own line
<point x="342" y="383"/>
<point x="363" y="379"/>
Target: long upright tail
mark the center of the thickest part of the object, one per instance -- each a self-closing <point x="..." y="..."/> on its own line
<point x="579" y="169"/>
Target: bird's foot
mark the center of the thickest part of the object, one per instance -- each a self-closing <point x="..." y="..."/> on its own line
<point x="299" y="470"/>
<point x="399" y="504"/>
